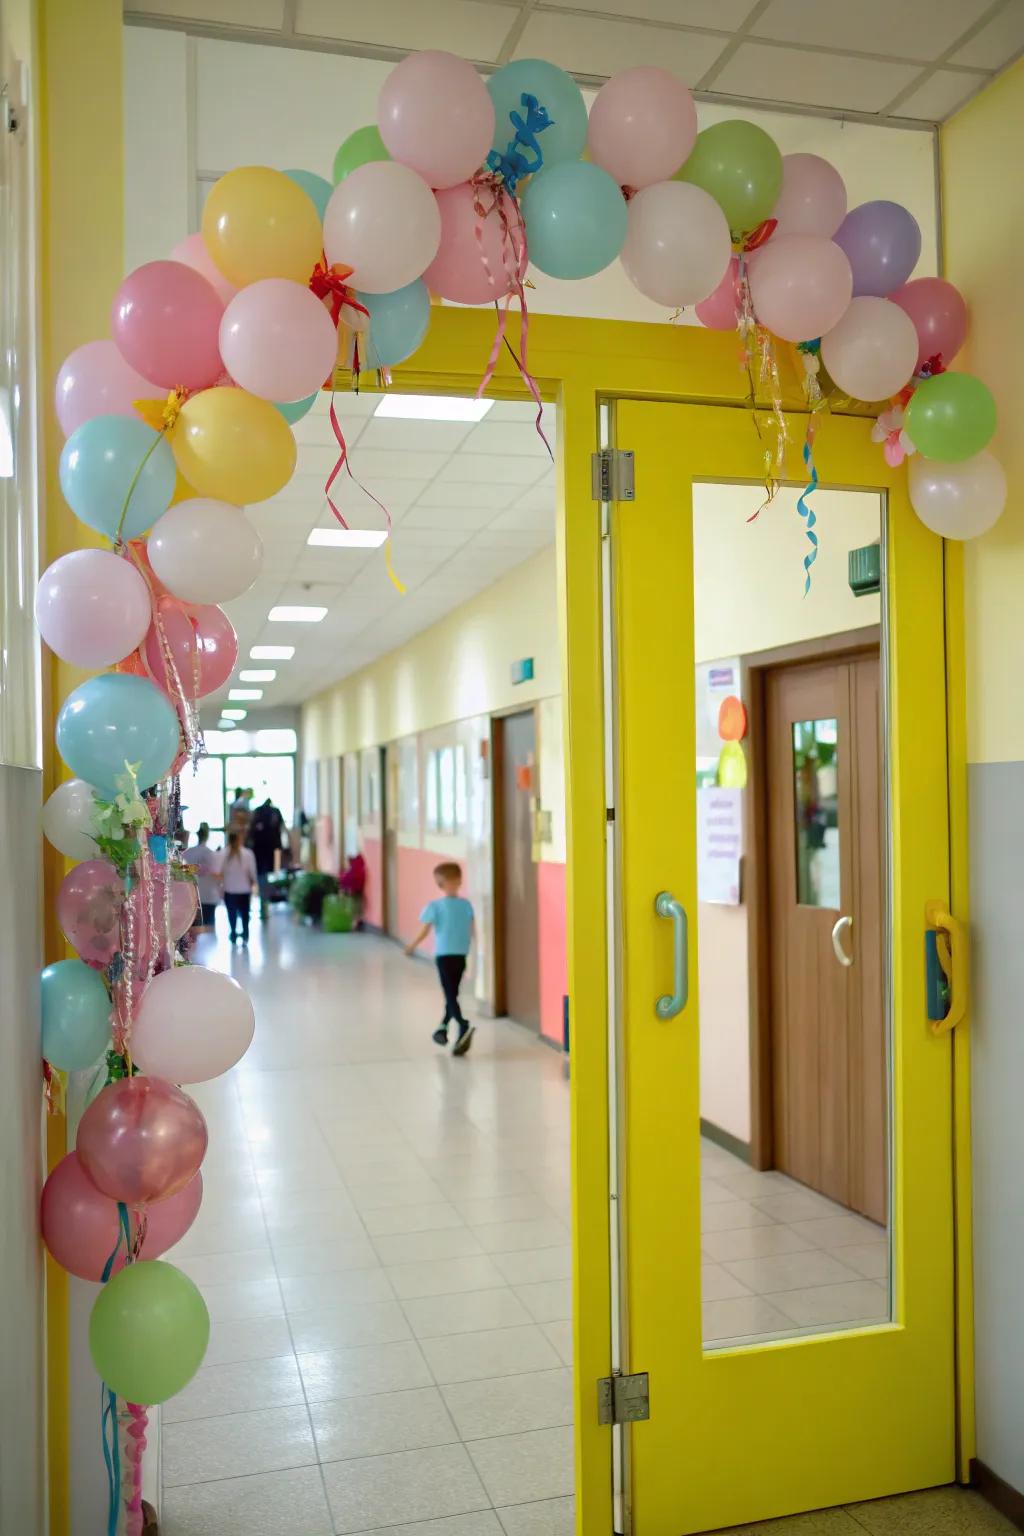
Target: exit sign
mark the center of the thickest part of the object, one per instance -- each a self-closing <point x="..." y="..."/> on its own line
<point x="522" y="671"/>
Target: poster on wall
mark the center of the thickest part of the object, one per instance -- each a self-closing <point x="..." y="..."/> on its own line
<point x="719" y="845"/>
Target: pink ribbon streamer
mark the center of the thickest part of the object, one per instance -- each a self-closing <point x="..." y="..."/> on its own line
<point x="344" y="463"/>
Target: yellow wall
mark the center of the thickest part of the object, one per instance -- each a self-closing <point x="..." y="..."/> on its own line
<point x="983" y="215"/>
<point x="455" y="669"/>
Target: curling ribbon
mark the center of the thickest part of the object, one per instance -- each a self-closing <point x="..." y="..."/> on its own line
<point x="344" y="463"/>
<point x="805" y="510"/>
<point x="756" y="340"/>
<point x="111" y="1457"/>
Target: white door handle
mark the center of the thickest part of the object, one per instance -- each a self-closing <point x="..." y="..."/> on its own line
<point x="842" y="924"/>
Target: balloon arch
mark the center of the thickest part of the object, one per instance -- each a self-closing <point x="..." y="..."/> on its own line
<point x="184" y="415"/>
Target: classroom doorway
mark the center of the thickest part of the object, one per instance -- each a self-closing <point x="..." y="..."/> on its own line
<point x="517" y="926"/>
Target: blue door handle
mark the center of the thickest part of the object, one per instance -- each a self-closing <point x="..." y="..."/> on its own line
<point x="668" y="1006"/>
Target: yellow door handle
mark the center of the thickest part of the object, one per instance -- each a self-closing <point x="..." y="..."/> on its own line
<point x="951" y="943"/>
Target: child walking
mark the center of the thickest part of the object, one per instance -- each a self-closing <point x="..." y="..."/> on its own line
<point x="239" y="880"/>
<point x="451" y="917"/>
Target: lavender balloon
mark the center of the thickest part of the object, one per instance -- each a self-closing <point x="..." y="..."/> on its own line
<point x="883" y="243"/>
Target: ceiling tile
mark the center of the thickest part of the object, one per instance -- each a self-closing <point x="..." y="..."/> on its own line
<point x="909" y="29"/>
<point x="817" y="79"/>
<point x="409" y="436"/>
<point x="354" y="496"/>
<point x="261" y="14"/>
<point x="445" y="539"/>
<point x="592" y="46"/>
<point x="999" y="41"/>
<point x="469" y="27"/>
<point x="539" y="498"/>
<point x="507" y="469"/>
<point x="447" y="517"/>
<point x="397" y="466"/>
<point x="511" y="437"/>
<point x="476" y="493"/>
<point x="526" y="539"/>
<point x="940" y="95"/>
<point x="726" y="15"/>
<point x="536" y="518"/>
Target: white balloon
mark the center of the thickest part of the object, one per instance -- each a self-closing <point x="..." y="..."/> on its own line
<point x="68" y="820"/>
<point x="192" y="1024"/>
<point x="205" y="551"/>
<point x="382" y="221"/>
<point x="677" y="244"/>
<point x="961" y="500"/>
<point x="872" y="351"/>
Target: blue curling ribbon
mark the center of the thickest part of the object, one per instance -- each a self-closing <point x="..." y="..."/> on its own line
<point x="111" y="1457"/>
<point x="807" y="513"/>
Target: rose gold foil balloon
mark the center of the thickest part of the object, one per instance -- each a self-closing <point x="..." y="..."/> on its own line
<point x="141" y="1139"/>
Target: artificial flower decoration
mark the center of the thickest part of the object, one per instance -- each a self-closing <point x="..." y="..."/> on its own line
<point x="889" y="430"/>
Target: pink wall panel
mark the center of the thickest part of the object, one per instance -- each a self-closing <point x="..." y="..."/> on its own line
<point x="373" y="905"/>
<point x="554" y="981"/>
<point x="416" y="887"/>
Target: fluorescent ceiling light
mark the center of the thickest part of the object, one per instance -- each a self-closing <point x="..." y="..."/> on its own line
<point x="233" y="714"/>
<point x="227" y="725"/>
<point x="272" y="652"/>
<point x="348" y="538"/>
<point x="257" y="675"/>
<point x="433" y="407"/>
<point x="296" y="613"/>
<point x="245" y="693"/>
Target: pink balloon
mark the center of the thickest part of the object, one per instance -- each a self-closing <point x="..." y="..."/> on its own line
<point x="801" y="286"/>
<point x="677" y="245"/>
<point x="436" y="116"/>
<point x="184" y="900"/>
<point x="141" y="1139"/>
<point x="218" y="647"/>
<point x="89" y="906"/>
<point x="813" y="197"/>
<point x="870" y="354"/>
<point x="939" y="315"/>
<point x="192" y="252"/>
<point x="277" y="340"/>
<point x="95" y="380"/>
<point x="469" y="270"/>
<point x="165" y="319"/>
<point x="383" y="222"/>
<point x="81" y="1226"/>
<point x="92" y="607"/>
<point x="643" y="125"/>
<point x="719" y="311"/>
<point x="192" y="1025"/>
<point x="179" y="635"/>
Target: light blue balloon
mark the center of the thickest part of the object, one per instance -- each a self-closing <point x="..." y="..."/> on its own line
<point x="317" y="188"/>
<point x="98" y="464"/>
<point x="116" y="719"/>
<point x="398" y="324"/>
<point x="556" y="92"/>
<point x="294" y="410"/>
<point x="575" y="219"/>
<point x="76" y="1015"/>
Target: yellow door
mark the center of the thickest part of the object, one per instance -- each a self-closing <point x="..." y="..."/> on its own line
<point x="804" y="1413"/>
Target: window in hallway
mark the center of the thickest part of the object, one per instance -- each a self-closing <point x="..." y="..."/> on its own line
<point x="265" y="776"/>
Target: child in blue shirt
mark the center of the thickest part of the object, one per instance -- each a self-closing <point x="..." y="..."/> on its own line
<point x="451" y="918"/>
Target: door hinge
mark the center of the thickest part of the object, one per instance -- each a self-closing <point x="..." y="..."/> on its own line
<point x="611" y="472"/>
<point x="623" y="1399"/>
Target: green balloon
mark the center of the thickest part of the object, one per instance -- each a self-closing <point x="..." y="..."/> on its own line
<point x="294" y="410"/>
<point x="360" y="148"/>
<point x="741" y="166"/>
<point x="148" y="1332"/>
<point x="950" y="417"/>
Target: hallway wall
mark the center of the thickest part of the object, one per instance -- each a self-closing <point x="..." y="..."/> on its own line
<point x="984" y="212"/>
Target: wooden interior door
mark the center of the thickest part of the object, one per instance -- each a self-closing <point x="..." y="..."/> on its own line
<point x="824" y="870"/>
<point x="520" y="931"/>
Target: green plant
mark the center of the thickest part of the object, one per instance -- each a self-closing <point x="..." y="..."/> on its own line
<point x="308" y="892"/>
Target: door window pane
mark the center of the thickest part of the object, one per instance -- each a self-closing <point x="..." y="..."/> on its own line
<point x="273" y="776"/>
<point x="816" y="791"/>
<point x="202" y="795"/>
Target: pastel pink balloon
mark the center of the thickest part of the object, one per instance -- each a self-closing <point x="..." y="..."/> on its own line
<point x="179" y="637"/>
<point x="184" y="901"/>
<point x="939" y="314"/>
<point x="95" y="380"/>
<point x="165" y="321"/>
<point x="643" y="125"/>
<point x="89" y="904"/>
<point x="92" y="607"/>
<point x="719" y="311"/>
<point x="469" y="270"/>
<point x="872" y="351"/>
<point x="677" y="245"/>
<point x="141" y="1139"/>
<point x="813" y="197"/>
<point x="801" y="286"/>
<point x="277" y="340"/>
<point x="218" y="647"/>
<point x="81" y="1226"/>
<point x="435" y="115"/>
<point x="192" y="252"/>
<point x="193" y="1024"/>
<point x="383" y="222"/>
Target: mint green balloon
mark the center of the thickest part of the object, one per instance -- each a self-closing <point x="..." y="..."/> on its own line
<point x="317" y="188"/>
<point x="360" y="148"/>
<point x="741" y="167"/>
<point x="148" y="1332"/>
<point x="950" y="417"/>
<point x="576" y="219"/>
<point x="76" y="1015"/>
<point x="294" y="410"/>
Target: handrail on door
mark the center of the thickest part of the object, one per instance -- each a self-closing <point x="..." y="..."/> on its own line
<point x="673" y="1003"/>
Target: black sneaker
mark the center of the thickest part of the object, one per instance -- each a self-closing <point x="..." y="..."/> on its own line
<point x="440" y="1035"/>
<point x="465" y="1038"/>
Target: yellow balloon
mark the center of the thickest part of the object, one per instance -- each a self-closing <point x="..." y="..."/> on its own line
<point x="182" y="490"/>
<point x="232" y="446"/>
<point x="257" y="223"/>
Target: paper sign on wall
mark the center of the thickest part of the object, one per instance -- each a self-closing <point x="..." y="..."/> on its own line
<point x="719" y="845"/>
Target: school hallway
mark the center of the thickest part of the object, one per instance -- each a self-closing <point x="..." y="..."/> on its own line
<point x="384" y="1250"/>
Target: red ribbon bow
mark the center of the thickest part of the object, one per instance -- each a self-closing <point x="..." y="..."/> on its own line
<point x="331" y="283"/>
